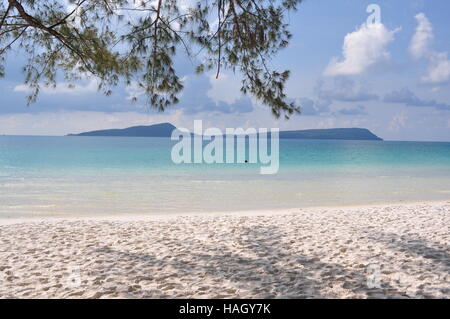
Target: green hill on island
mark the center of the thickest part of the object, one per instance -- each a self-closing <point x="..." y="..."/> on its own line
<point x="157" y="130"/>
<point x="332" y="134"/>
<point x="165" y="130"/>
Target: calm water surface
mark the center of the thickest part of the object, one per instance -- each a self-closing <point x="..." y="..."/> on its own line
<point x="115" y="175"/>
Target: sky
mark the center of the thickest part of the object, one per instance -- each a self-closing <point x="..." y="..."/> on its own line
<point x="386" y="70"/>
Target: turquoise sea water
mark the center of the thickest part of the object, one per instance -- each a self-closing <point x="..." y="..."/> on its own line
<point x="115" y="175"/>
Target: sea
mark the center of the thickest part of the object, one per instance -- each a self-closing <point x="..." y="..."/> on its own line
<point x="93" y="176"/>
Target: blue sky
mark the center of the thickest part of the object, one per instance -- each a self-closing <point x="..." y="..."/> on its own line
<point x="392" y="77"/>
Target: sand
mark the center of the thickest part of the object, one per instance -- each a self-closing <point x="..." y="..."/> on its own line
<point x="385" y="251"/>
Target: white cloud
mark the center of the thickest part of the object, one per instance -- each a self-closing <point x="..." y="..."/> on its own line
<point x="62" y="88"/>
<point x="134" y="90"/>
<point x="226" y="88"/>
<point x="439" y="68"/>
<point x="362" y="49"/>
<point x="421" y="47"/>
<point x="421" y="42"/>
<point x="344" y="89"/>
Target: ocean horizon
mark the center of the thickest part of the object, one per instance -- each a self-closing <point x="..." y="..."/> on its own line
<point x="95" y="176"/>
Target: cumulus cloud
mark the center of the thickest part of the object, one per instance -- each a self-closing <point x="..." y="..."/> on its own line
<point x="340" y="89"/>
<point x="421" y="47"/>
<point x="439" y="68"/>
<point x="310" y="107"/>
<point x="407" y="97"/>
<point x="344" y="90"/>
<point x="226" y="88"/>
<point x="61" y="88"/>
<point x="195" y="99"/>
<point x="358" y="110"/>
<point x="134" y="91"/>
<point x="83" y="97"/>
<point x="423" y="37"/>
<point x="362" y="49"/>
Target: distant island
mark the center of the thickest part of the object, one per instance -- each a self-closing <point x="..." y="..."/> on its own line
<point x="157" y="130"/>
<point x="166" y="129"/>
<point x="332" y="134"/>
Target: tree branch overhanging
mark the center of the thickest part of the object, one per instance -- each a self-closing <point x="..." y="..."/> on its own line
<point x="117" y="39"/>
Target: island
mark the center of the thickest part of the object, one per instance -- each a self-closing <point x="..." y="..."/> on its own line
<point x="166" y="129"/>
<point x="156" y="130"/>
<point x="331" y="134"/>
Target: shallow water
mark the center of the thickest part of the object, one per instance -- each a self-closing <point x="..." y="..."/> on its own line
<point x="115" y="175"/>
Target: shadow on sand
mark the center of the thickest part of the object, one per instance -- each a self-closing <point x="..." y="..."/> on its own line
<point x="250" y="264"/>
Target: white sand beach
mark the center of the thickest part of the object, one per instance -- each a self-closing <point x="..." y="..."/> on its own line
<point x="384" y="251"/>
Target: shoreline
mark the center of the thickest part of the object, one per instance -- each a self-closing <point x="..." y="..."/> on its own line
<point x="381" y="251"/>
<point x="4" y="221"/>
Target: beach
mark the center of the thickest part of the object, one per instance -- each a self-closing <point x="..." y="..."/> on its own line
<point x="224" y="150"/>
<point x="381" y="251"/>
